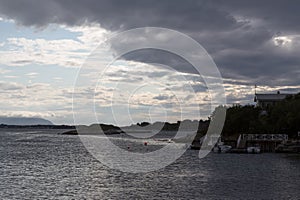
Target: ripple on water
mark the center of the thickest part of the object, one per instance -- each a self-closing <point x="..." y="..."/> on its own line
<point x="59" y="167"/>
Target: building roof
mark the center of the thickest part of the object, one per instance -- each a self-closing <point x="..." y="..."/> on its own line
<point x="270" y="97"/>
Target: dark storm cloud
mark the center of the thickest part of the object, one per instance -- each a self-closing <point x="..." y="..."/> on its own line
<point x="114" y="14"/>
<point x="159" y="56"/>
<point x="279" y="15"/>
<point x="238" y="34"/>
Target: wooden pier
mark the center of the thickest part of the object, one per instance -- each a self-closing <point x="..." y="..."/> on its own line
<point x="267" y="142"/>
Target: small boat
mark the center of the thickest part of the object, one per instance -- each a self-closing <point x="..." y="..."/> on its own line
<point x="167" y="140"/>
<point x="254" y="149"/>
<point x="221" y="148"/>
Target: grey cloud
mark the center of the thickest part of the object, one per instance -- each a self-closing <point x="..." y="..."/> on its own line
<point x="189" y="88"/>
<point x="113" y="14"/>
<point x="188" y="97"/>
<point x="23" y="62"/>
<point x="7" y="86"/>
<point x="82" y="93"/>
<point x="157" y="74"/>
<point x="280" y="15"/>
<point x="126" y="79"/>
<point x="162" y="57"/>
<point x="237" y="34"/>
<point x="163" y="97"/>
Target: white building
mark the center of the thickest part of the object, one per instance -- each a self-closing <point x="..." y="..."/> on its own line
<point x="266" y="100"/>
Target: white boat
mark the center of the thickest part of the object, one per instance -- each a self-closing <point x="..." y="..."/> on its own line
<point x="221" y="148"/>
<point x="167" y="140"/>
<point x="255" y="149"/>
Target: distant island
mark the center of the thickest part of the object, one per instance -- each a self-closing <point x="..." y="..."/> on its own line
<point x="281" y="117"/>
<point x="24" y="121"/>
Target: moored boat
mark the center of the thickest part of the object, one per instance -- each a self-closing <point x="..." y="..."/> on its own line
<point x="254" y="149"/>
<point x="221" y="148"/>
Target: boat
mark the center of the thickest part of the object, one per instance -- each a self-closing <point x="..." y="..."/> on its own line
<point x="253" y="149"/>
<point x="221" y="148"/>
<point x="167" y="140"/>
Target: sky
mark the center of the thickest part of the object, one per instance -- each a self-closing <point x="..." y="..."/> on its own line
<point x="45" y="44"/>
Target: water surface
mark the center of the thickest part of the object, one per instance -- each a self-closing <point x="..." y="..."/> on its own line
<point x="39" y="164"/>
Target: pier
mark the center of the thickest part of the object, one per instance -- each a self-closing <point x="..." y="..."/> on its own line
<point x="267" y="142"/>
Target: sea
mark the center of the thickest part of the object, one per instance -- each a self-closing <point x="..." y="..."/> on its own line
<point x="42" y="164"/>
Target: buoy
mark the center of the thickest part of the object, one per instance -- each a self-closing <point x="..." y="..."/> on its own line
<point x="145" y="143"/>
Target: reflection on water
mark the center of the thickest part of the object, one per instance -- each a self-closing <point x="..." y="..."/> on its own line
<point x="35" y="165"/>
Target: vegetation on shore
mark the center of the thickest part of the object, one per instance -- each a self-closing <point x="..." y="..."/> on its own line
<point x="282" y="118"/>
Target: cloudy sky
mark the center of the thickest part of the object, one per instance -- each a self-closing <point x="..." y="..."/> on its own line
<point x="43" y="45"/>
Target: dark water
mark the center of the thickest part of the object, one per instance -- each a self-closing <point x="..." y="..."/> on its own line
<point x="35" y="165"/>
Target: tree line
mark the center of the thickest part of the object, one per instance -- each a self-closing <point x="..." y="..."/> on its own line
<point x="281" y="118"/>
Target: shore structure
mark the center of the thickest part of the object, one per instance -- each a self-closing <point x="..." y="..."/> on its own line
<point x="264" y="100"/>
<point x="266" y="142"/>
